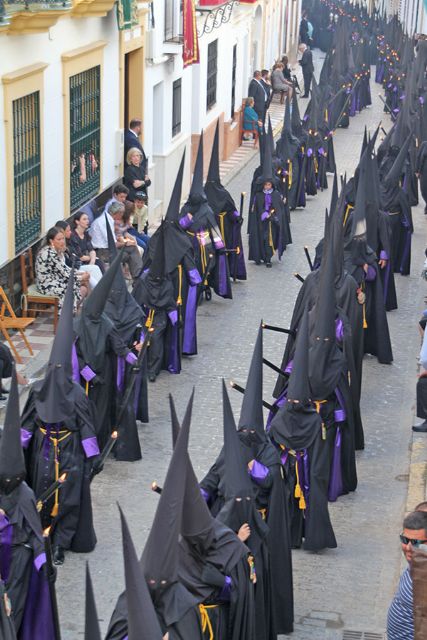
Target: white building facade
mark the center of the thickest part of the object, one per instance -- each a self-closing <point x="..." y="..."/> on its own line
<point x="74" y="72"/>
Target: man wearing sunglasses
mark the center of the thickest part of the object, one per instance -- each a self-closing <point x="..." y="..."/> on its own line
<point x="400" y="620"/>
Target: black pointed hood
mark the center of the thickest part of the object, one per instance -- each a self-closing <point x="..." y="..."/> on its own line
<point x="158" y="267"/>
<point x="94" y="304"/>
<point x="112" y="248"/>
<point x="142" y="621"/>
<point x="12" y="463"/>
<point x="53" y="396"/>
<point x="237" y="483"/>
<point x="160" y="557"/>
<point x="219" y="198"/>
<point x="92" y="630"/>
<point x="396" y="170"/>
<point x="197" y="193"/>
<point x="297" y="423"/>
<point x="251" y="414"/>
<point x="197" y="521"/>
<point x="334" y="195"/>
<point x="326" y="360"/>
<point x="267" y="163"/>
<point x="213" y="173"/>
<point x="297" y="128"/>
<point x="172" y="213"/>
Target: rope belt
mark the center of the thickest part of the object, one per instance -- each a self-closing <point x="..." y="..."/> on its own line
<point x="347" y="211"/>
<point x="290" y="174"/>
<point x="365" y="323"/>
<point x="263" y="513"/>
<point x="270" y="236"/>
<point x="150" y="319"/>
<point x="317" y="404"/>
<point x="206" y="621"/>
<point x="179" y="299"/>
<point x="56" y="452"/>
<point x="298" y="493"/>
<point x="221" y="224"/>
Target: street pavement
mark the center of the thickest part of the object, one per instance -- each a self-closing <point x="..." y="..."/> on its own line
<point x="347" y="589"/>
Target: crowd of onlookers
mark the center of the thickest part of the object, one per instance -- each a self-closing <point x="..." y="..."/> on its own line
<point x="422" y="379"/>
<point x="83" y="241"/>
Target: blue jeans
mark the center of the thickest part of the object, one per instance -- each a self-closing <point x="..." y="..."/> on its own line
<point x="142" y="239"/>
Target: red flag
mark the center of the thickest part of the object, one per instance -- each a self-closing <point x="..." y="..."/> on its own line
<point x="190" y="50"/>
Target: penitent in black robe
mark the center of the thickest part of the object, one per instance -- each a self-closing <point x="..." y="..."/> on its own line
<point x="203" y="573"/>
<point x="268" y="233"/>
<point x="21" y="559"/>
<point x="70" y="510"/>
<point x="176" y="609"/>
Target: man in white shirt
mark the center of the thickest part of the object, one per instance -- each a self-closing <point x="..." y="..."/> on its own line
<point x="99" y="236"/>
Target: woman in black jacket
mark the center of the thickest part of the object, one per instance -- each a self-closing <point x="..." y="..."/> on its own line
<point x="136" y="178"/>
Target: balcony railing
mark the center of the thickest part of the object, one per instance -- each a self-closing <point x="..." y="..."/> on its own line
<point x="7" y="7"/>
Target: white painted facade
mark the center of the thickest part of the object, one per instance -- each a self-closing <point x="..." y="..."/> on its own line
<point x="20" y="51"/>
<point x="257" y="30"/>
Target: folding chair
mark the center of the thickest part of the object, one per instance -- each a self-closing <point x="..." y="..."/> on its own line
<point x="9" y="321"/>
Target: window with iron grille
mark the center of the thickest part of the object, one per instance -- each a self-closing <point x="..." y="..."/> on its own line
<point x="233" y="81"/>
<point x="85" y="136"/>
<point x="176" y="107"/>
<point x="26" y="170"/>
<point x="212" y="73"/>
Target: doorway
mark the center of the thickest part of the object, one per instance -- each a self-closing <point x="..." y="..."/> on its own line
<point x="134" y="83"/>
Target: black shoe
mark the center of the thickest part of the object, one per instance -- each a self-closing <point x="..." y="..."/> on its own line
<point x="58" y="555"/>
<point x="3" y="398"/>
<point x="268" y="265"/>
<point x="305" y="95"/>
<point x="420" y="428"/>
<point x="4" y="390"/>
<point x="257" y="262"/>
<point x="152" y="377"/>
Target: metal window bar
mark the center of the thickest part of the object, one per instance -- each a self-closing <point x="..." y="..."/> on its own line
<point x="212" y="74"/>
<point x="26" y="170"/>
<point x="233" y="81"/>
<point x="176" y="107"/>
<point x="85" y="136"/>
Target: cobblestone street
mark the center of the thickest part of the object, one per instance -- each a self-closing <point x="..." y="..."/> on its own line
<point x="344" y="589"/>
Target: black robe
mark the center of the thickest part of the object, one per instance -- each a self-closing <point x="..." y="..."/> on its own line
<point x="271" y="234"/>
<point x="7" y="630"/>
<point x="25" y="584"/>
<point x="77" y="445"/>
<point x="203" y="573"/>
<point x="176" y="609"/>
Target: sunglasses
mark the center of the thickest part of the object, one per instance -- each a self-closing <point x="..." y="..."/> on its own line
<point x="414" y="543"/>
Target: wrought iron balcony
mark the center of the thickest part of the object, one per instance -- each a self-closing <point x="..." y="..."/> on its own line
<point x="8" y="7"/>
<point x="215" y="13"/>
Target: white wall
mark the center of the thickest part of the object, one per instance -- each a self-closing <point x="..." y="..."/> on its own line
<point x="17" y="51"/>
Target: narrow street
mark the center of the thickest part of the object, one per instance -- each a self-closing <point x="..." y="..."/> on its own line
<point x="344" y="589"/>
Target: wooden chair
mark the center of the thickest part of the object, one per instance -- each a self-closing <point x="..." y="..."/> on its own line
<point x="32" y="300"/>
<point x="9" y="320"/>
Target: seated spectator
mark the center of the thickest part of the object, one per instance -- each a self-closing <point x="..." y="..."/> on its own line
<point x="72" y="259"/>
<point x="278" y="81"/>
<point x="80" y="243"/>
<point x="128" y="216"/>
<point x="287" y="74"/>
<point x="136" y="178"/>
<point x="99" y="237"/>
<point x="251" y="121"/>
<point x="422" y="381"/>
<point x="120" y="194"/>
<point x="52" y="272"/>
<point x="140" y="213"/>
<point x="400" y="620"/>
<point x="6" y="365"/>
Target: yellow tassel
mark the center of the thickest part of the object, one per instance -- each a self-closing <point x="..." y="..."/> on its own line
<point x="87" y="387"/>
<point x="55" y="510"/>
<point x="302" y="505"/>
<point x="365" y="324"/>
<point x="298" y="492"/>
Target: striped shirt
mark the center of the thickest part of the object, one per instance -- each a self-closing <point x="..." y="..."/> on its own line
<point x="400" y="620"/>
